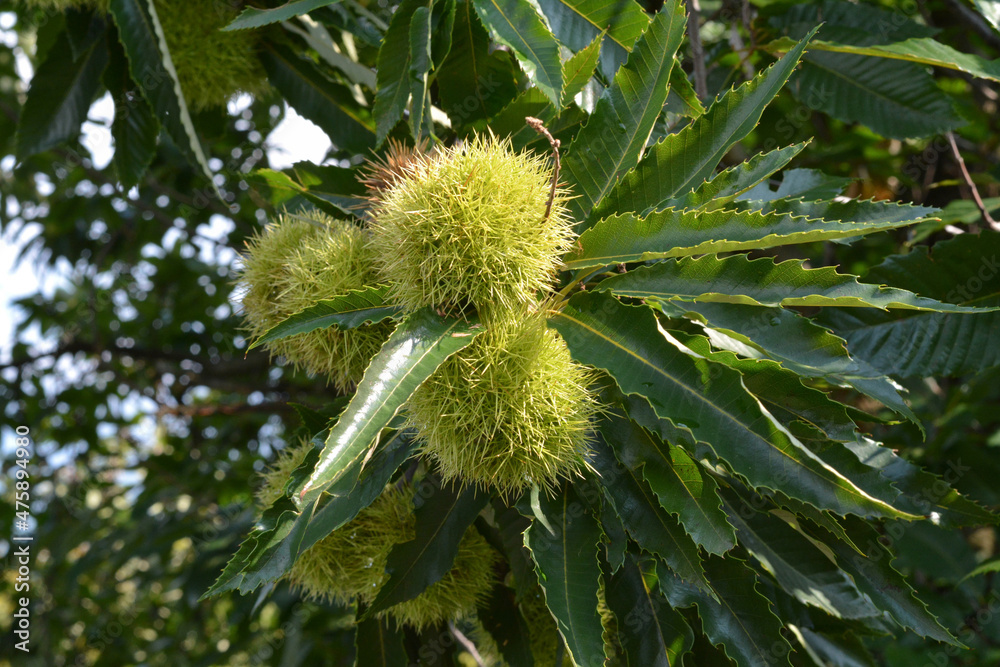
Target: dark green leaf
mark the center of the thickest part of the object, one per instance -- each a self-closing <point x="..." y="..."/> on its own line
<point x="379" y="643"/>
<point x="741" y="620"/>
<point x="328" y="104"/>
<point x="834" y="650"/>
<point x="347" y="311"/>
<point x="473" y="82"/>
<point x="395" y="58"/>
<point x="251" y="17"/>
<point x="797" y="564"/>
<point x="613" y="139"/>
<point x="683" y="160"/>
<point x="569" y="573"/>
<point x="420" y="65"/>
<point x="682" y="98"/>
<point x="895" y="98"/>
<point x="333" y="189"/>
<point x="963" y="270"/>
<point x="60" y="95"/>
<point x="135" y="129"/>
<point x="578" y="70"/>
<point x="413" y="352"/>
<point x="532" y="102"/>
<point x="149" y="62"/>
<point x="500" y="617"/>
<point x="440" y="523"/>
<point x="671" y="233"/>
<point x="707" y="401"/>
<point x="731" y="183"/>
<point x="885" y="587"/>
<point x="517" y="25"/>
<point x="738" y="279"/>
<point x="680" y="484"/>
<point x="642" y="516"/>
<point x="283" y="533"/>
<point x="652" y="634"/>
<point x="576" y="23"/>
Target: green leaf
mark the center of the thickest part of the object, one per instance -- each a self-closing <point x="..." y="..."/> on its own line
<point x="251" y="17"/>
<point x="440" y="524"/>
<point x="834" y="650"/>
<point x="532" y="102"/>
<point x="277" y="528"/>
<point x="442" y="33"/>
<point x="990" y="9"/>
<point x="681" y="161"/>
<point x="317" y="98"/>
<point x="741" y="620"/>
<point x="501" y="618"/>
<point x="149" y="62"/>
<point x="896" y="99"/>
<point x="706" y="400"/>
<point x="652" y="634"/>
<point x="840" y="210"/>
<point x="517" y="25"/>
<point x="420" y="65"/>
<point x="762" y="282"/>
<point x="379" y="643"/>
<point x="672" y="233"/>
<point x="920" y="50"/>
<point x="134" y="129"/>
<point x="885" y="587"/>
<point x="333" y="189"/>
<point x="579" y="70"/>
<point x="59" y="97"/>
<point x="613" y="139"/>
<point x="681" y="485"/>
<point x="358" y="487"/>
<point x="576" y="23"/>
<point x="729" y="184"/>
<point x="644" y="519"/>
<point x="922" y="492"/>
<point x="393" y="81"/>
<point x="283" y="533"/>
<point x="989" y="566"/>
<point x="473" y="82"/>
<point x="962" y="270"/>
<point x="787" y="396"/>
<point x="805" y="184"/>
<point x="413" y="352"/>
<point x="798" y="565"/>
<point x="569" y="573"/>
<point x="347" y="311"/>
<point x="802" y="346"/>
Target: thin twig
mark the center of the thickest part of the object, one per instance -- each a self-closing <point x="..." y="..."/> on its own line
<point x="972" y="186"/>
<point x="697" y="52"/>
<point x="466" y="644"/>
<point x="538" y="126"/>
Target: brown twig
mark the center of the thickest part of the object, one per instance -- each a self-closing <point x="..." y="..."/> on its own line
<point x="697" y="52"/>
<point x="972" y="186"/>
<point x="538" y="126"/>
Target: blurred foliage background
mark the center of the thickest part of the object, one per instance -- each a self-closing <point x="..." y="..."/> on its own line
<point x="151" y="424"/>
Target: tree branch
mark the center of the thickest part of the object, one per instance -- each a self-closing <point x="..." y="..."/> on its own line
<point x="972" y="186"/>
<point x="697" y="52"/>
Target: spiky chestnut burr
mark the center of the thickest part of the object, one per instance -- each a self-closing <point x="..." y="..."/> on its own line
<point x="511" y="409"/>
<point x="467" y="227"/>
<point x="296" y="262"/>
<point x="211" y="65"/>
